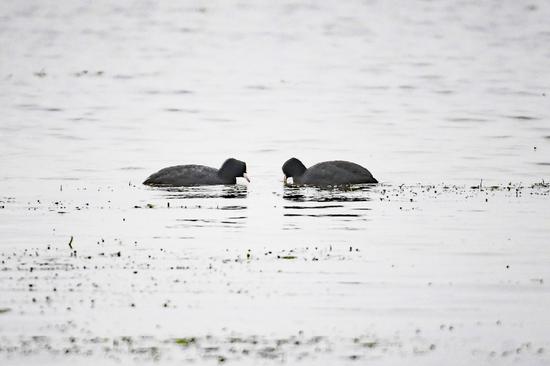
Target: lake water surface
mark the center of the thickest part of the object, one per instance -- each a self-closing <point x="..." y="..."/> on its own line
<point x="445" y="262"/>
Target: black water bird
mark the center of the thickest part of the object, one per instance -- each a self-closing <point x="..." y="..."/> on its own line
<point x="195" y="175"/>
<point x="327" y="173"/>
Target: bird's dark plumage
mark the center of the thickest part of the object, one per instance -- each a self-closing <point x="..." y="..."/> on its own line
<point x="331" y="173"/>
<point x="194" y="175"/>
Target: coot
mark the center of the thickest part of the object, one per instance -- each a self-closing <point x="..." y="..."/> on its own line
<point x="332" y="173"/>
<point x="195" y="175"/>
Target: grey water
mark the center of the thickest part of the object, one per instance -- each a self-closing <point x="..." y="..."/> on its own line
<point x="445" y="261"/>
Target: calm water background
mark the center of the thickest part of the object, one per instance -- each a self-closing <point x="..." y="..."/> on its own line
<point x="95" y="96"/>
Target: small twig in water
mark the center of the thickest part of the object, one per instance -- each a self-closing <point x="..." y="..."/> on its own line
<point x="71" y="242"/>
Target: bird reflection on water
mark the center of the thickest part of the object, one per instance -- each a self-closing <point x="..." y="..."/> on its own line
<point x="201" y="192"/>
<point x="347" y="193"/>
<point x="334" y="202"/>
<point x="206" y="206"/>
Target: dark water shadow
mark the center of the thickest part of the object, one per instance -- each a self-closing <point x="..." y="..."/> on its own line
<point x="221" y="191"/>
